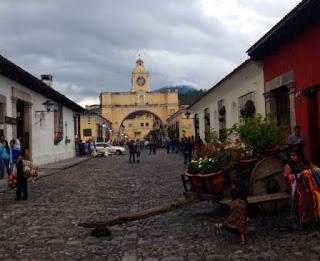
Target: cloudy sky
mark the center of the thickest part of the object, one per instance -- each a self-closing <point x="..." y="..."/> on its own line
<point x="92" y="46"/>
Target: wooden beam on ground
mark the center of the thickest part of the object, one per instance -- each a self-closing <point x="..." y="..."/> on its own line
<point x="261" y="198"/>
<point x="125" y="218"/>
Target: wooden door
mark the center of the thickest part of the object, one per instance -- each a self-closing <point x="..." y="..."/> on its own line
<point x="313" y="122"/>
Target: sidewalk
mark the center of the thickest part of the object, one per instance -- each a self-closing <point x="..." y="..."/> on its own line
<point x="49" y="169"/>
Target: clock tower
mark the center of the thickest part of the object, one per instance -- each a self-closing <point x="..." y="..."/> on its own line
<point x="140" y="78"/>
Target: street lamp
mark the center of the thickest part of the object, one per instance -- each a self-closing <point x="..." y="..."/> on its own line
<point x="187" y="114"/>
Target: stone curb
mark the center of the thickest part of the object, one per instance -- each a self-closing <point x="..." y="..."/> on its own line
<point x="47" y="173"/>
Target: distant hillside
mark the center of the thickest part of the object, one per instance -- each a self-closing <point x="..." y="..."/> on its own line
<point x="190" y="97"/>
<point x="187" y="94"/>
<point x="180" y="89"/>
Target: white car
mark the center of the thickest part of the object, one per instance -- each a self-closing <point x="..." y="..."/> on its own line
<point x="119" y="150"/>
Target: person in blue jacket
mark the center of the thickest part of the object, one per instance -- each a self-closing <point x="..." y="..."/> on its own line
<point x="14" y="154"/>
<point x="4" y="158"/>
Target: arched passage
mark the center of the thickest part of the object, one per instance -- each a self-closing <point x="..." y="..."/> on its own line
<point x="138" y="124"/>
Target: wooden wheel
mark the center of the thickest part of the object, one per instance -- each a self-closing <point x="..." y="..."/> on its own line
<point x="267" y="178"/>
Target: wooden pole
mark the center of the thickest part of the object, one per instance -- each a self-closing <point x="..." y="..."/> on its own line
<point x="125" y="218"/>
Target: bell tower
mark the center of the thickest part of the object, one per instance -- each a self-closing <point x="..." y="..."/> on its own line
<point x="140" y="78"/>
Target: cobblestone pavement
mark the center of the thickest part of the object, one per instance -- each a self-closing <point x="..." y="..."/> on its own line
<point x="45" y="226"/>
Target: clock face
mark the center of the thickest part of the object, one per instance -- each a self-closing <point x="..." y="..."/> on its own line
<point x="140" y="81"/>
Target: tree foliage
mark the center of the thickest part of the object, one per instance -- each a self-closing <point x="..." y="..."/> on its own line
<point x="190" y="97"/>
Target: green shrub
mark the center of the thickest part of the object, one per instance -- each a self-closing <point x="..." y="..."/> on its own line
<point x="258" y="135"/>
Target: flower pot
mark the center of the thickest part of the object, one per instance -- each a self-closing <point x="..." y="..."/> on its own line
<point x="211" y="183"/>
<point x="196" y="182"/>
<point x="214" y="182"/>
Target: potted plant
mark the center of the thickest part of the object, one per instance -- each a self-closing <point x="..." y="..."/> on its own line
<point x="258" y="135"/>
<point x="211" y="172"/>
<point x="206" y="176"/>
<point x="193" y="175"/>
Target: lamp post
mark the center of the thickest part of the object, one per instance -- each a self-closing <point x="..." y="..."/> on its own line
<point x="187" y="114"/>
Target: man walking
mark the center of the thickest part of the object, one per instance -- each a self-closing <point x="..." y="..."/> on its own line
<point x="167" y="143"/>
<point x="187" y="150"/>
<point x="132" y="152"/>
<point x="138" y="148"/>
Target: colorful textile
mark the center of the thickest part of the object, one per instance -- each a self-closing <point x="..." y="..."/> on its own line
<point x="237" y="221"/>
<point x="305" y="197"/>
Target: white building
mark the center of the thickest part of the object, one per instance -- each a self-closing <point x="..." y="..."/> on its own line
<point x="46" y="121"/>
<point x="239" y="93"/>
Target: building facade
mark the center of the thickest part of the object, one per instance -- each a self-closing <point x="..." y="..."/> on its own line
<point x="94" y="127"/>
<point x="46" y="122"/>
<point x="291" y="72"/>
<point x="117" y="107"/>
<point x="138" y="126"/>
<point x="239" y="94"/>
<point x="181" y="124"/>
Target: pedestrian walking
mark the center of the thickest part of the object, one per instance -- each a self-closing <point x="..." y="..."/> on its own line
<point x="154" y="147"/>
<point x="4" y="158"/>
<point x="92" y="146"/>
<point x="187" y="150"/>
<point x="132" y="152"/>
<point x="14" y="154"/>
<point x="193" y="144"/>
<point x="167" y="144"/>
<point x="138" y="147"/>
<point x="22" y="181"/>
<point x="87" y="148"/>
<point x="18" y="143"/>
<point x="150" y="146"/>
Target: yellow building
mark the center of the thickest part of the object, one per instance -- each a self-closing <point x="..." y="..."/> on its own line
<point x="117" y="107"/>
<point x="181" y="124"/>
<point x="94" y="127"/>
<point x="139" y="126"/>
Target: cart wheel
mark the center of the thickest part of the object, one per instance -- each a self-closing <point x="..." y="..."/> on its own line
<point x="267" y="178"/>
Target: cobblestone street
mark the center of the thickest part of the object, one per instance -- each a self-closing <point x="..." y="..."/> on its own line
<point x="45" y="226"/>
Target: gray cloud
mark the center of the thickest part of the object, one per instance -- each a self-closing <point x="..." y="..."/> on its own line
<point x="91" y="46"/>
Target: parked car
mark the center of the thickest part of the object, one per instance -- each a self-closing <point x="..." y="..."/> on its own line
<point x="119" y="150"/>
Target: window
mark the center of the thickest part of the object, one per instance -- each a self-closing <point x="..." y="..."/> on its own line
<point x="147" y="124"/>
<point x="87" y="132"/>
<point x="207" y="123"/>
<point x="222" y="119"/>
<point x="130" y="125"/>
<point x="234" y="111"/>
<point x="247" y="105"/>
<point x="1" y="117"/>
<point x="1" y="113"/>
<point x="196" y="125"/>
<point x="141" y="98"/>
<point x="142" y="124"/>
<point x="58" y="124"/>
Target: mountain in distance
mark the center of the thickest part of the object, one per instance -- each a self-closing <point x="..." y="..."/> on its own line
<point x="187" y="94"/>
<point x="179" y="88"/>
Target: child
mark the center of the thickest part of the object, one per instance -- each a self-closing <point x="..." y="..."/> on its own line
<point x="237" y="220"/>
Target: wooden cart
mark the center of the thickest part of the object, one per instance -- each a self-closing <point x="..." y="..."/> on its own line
<point x="265" y="183"/>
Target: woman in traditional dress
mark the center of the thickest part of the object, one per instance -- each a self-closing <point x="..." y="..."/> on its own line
<point x="237" y="220"/>
<point x="300" y="175"/>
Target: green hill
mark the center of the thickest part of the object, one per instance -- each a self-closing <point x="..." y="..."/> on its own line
<point x="190" y="97"/>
